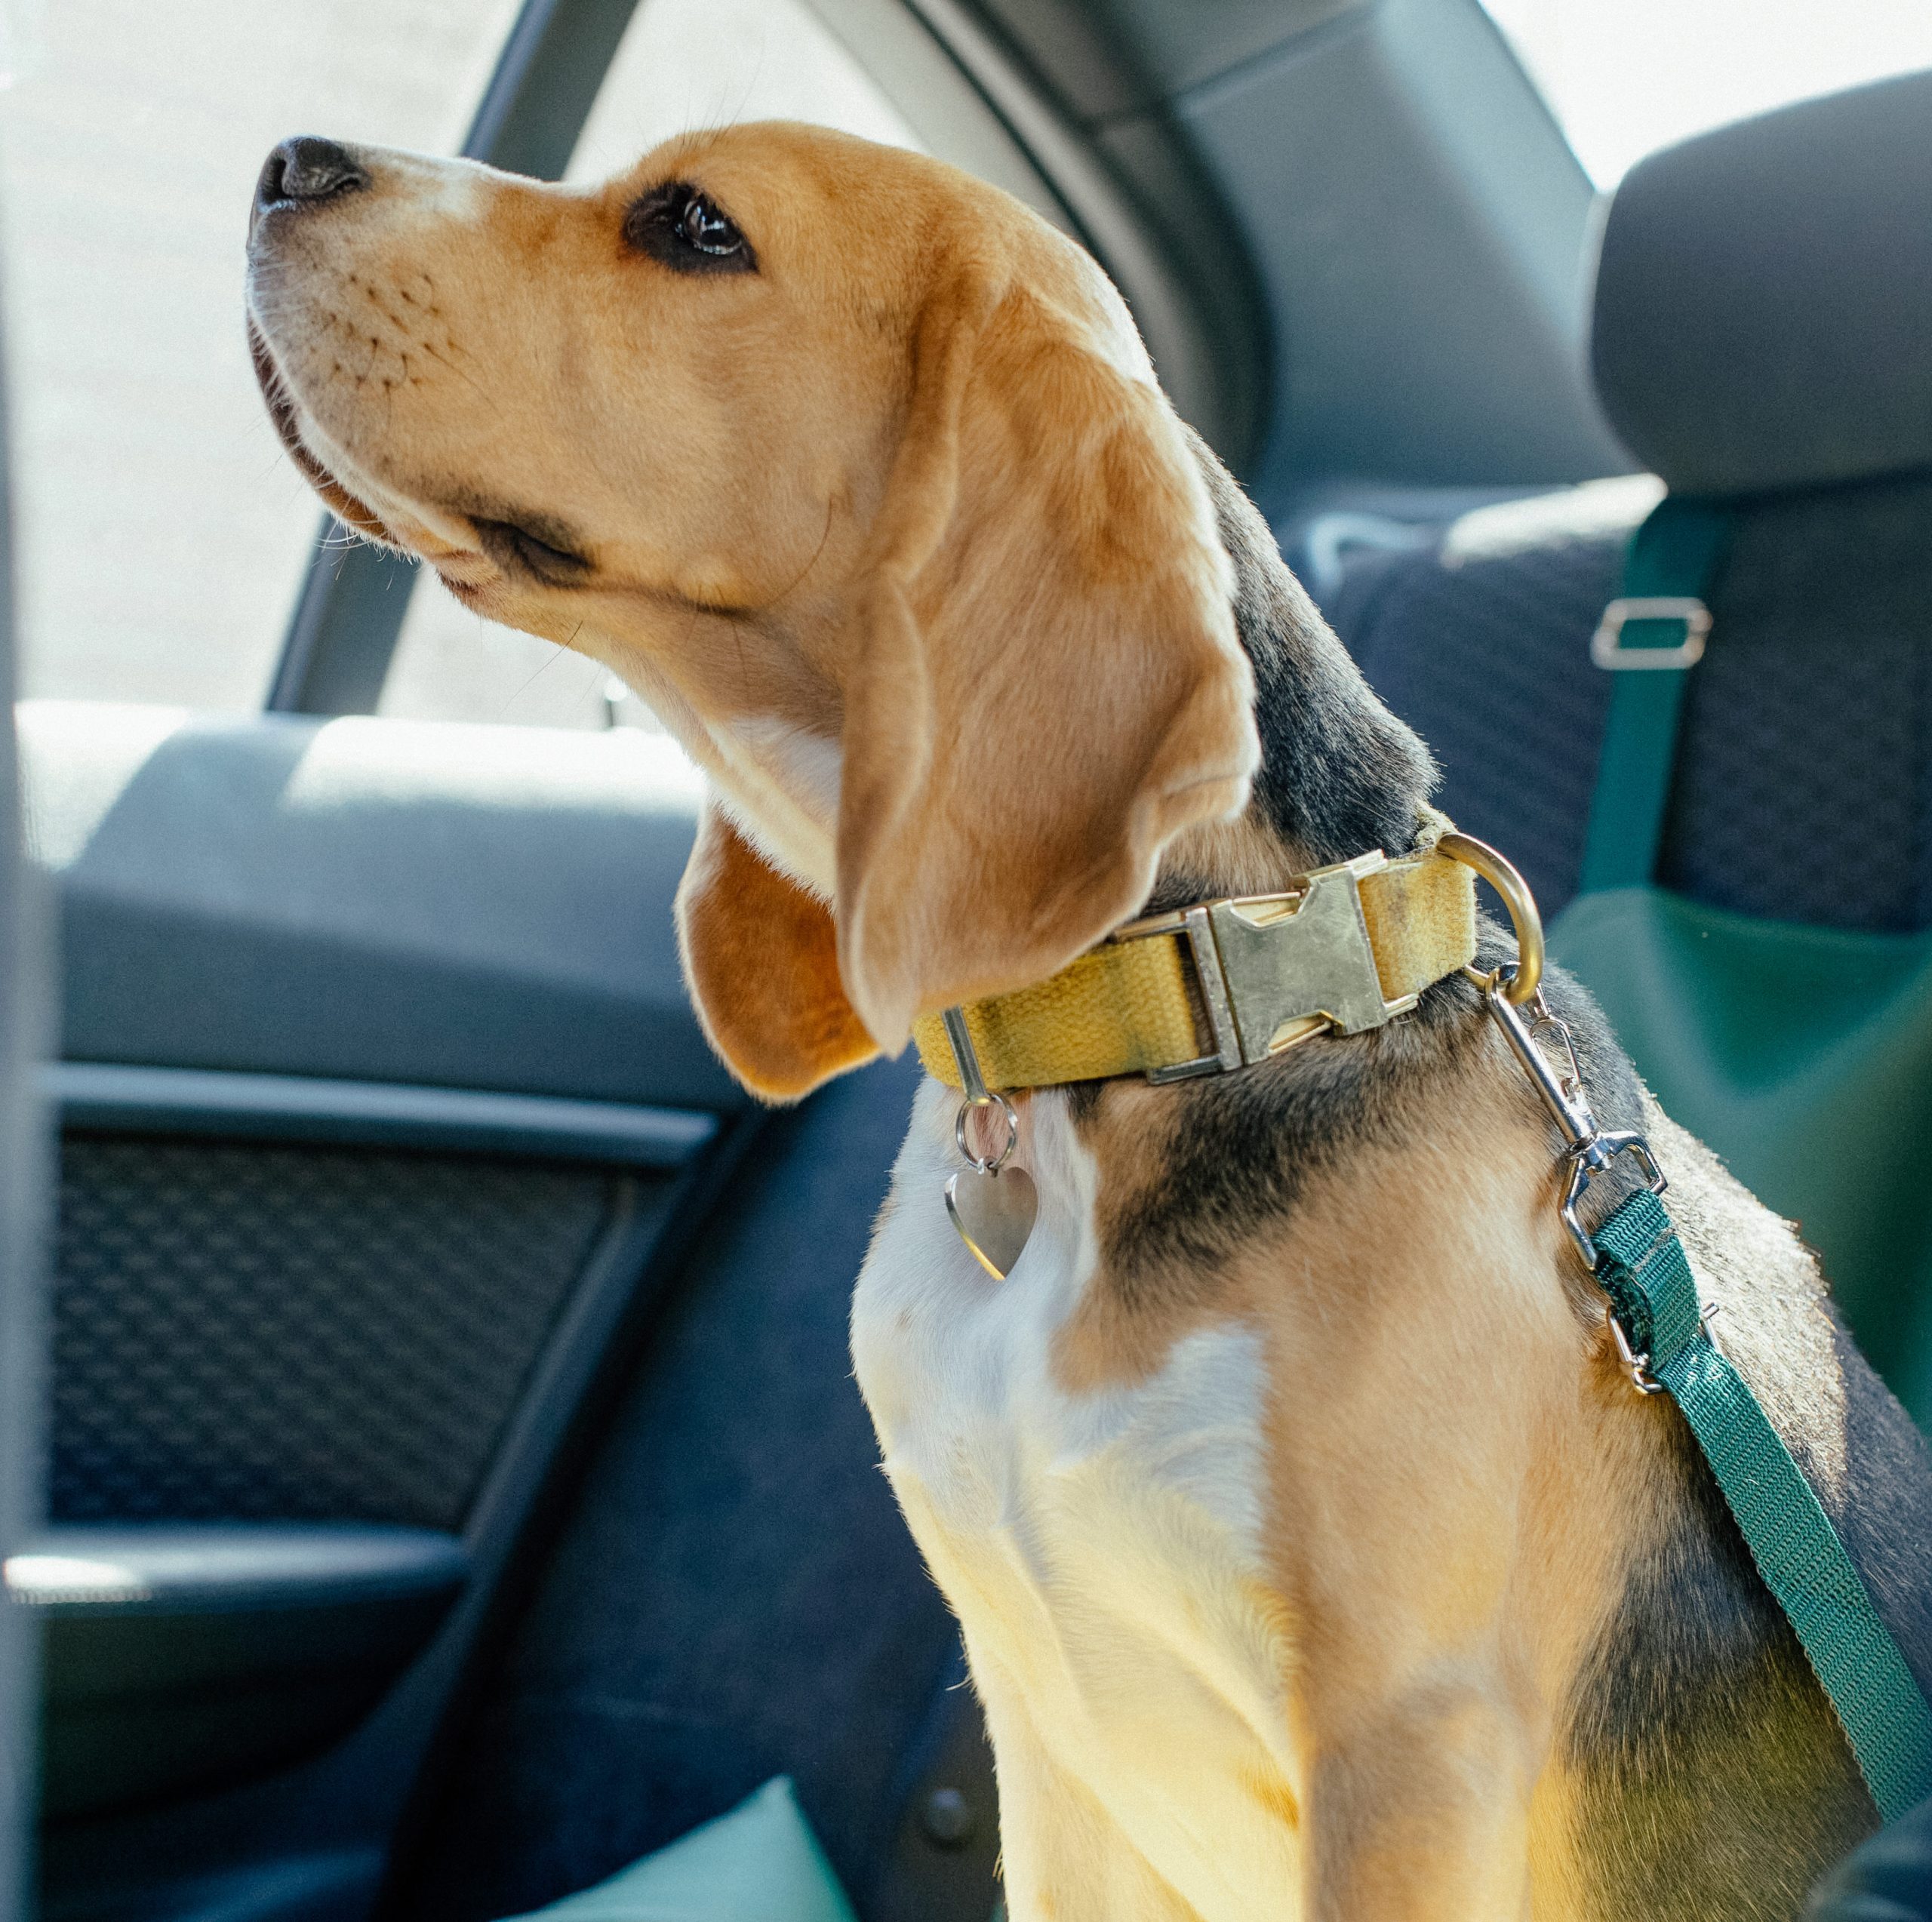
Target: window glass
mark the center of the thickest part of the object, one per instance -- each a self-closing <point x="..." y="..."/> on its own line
<point x="1625" y="77"/>
<point x="162" y="531"/>
<point x="682" y="63"/>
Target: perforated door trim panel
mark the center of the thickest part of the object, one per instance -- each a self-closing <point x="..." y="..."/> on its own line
<point x="342" y="1808"/>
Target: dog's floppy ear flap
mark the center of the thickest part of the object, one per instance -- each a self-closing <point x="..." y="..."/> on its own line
<point x="761" y="956"/>
<point x="1048" y="685"/>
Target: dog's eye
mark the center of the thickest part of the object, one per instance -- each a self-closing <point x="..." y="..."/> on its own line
<point x="707" y="230"/>
<point x="685" y="229"/>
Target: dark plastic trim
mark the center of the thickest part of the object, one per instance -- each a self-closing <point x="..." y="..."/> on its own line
<point x="342" y="634"/>
<point x="180" y="1657"/>
<point x="118" y="1098"/>
<point x="349" y="614"/>
<point x="943" y="1861"/>
<point x="1142" y="201"/>
<point x="169" y="1568"/>
<point x="1421" y="230"/>
<point x="545" y="84"/>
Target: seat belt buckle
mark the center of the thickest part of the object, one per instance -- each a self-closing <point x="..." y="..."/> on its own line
<point x="1607" y="647"/>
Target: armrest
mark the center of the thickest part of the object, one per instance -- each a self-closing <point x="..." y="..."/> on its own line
<point x="180" y="1657"/>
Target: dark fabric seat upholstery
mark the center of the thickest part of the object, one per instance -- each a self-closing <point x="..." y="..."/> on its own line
<point x="1762" y="334"/>
<point x="1803" y="790"/>
<point x="1481" y="642"/>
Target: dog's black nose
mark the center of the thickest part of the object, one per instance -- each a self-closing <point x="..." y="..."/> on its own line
<point x="306" y="169"/>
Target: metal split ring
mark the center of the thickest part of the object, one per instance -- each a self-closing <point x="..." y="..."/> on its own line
<point x="1518" y="986"/>
<point x="978" y="1095"/>
<point x="993" y="1163"/>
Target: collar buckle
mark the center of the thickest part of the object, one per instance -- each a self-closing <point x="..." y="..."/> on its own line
<point x="1274" y="969"/>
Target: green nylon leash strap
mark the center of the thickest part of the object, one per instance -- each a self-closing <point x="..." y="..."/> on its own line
<point x="1641" y="1266"/>
<point x="1674" y="555"/>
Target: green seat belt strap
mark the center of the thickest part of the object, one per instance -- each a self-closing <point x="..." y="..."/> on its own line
<point x="1641" y="1266"/>
<point x="1652" y="635"/>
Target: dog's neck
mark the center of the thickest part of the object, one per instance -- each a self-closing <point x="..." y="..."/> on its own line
<point x="1340" y="774"/>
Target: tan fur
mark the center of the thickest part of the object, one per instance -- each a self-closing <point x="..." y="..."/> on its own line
<point x="1459" y="1475"/>
<point x="784" y="1028"/>
<point x="1454" y="1519"/>
<point x="839" y="497"/>
<point x="900" y="539"/>
<point x="1041" y="484"/>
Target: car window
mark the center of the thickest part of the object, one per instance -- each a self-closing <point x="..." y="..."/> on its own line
<point x="682" y="63"/>
<point x="1626" y="77"/>
<point x="162" y="531"/>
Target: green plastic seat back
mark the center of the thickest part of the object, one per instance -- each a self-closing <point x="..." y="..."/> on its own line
<point x="1802" y="1053"/>
<point x="1804" y="1056"/>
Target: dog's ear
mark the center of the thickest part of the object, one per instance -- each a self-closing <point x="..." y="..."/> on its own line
<point x="1047" y="685"/>
<point x="761" y="956"/>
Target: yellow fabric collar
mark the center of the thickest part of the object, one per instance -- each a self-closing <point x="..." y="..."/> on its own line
<point x="1229" y="983"/>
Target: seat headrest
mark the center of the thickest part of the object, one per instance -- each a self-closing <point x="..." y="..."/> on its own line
<point x="1764" y="297"/>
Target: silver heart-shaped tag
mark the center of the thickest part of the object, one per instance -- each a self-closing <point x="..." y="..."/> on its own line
<point x="994" y="1211"/>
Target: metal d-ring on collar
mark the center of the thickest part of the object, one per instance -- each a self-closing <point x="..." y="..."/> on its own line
<point x="1518" y="986"/>
<point x="973" y="1083"/>
<point x="1524" y="984"/>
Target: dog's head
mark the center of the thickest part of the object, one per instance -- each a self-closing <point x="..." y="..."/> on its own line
<point x="856" y="471"/>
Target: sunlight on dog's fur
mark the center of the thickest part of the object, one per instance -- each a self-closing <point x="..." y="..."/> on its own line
<point x="814" y="513"/>
<point x="1313" y="1556"/>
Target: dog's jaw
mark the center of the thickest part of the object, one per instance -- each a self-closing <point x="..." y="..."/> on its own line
<point x="378" y="513"/>
<point x="348" y="508"/>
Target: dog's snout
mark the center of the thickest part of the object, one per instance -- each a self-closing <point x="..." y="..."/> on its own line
<point x="306" y="170"/>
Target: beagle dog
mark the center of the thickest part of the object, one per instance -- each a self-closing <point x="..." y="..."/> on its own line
<point x="1313" y="1556"/>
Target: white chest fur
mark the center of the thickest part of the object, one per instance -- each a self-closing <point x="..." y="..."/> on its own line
<point x="1103" y="1551"/>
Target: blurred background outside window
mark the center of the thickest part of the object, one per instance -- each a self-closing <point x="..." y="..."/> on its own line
<point x="160" y="530"/>
<point x="1626" y="77"/>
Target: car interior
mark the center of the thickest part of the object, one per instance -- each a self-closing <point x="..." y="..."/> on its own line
<point x="445" y="1484"/>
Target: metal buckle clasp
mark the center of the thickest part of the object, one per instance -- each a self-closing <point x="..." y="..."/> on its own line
<point x="1607" y="647"/>
<point x="1277" y="969"/>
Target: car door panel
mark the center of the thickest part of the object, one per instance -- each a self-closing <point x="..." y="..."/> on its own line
<point x="468" y="907"/>
<point x="732" y="1593"/>
<point x="384" y="1118"/>
<point x="395" y="1173"/>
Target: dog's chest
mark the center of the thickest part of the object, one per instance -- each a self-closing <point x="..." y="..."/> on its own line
<point x="1104" y="1549"/>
